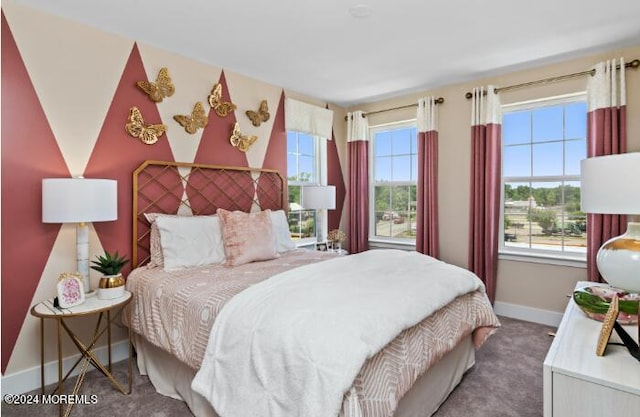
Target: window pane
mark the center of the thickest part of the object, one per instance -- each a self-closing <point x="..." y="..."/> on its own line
<point x="401" y="168"/>
<point x="517" y="161"/>
<point x="414" y="168"/>
<point x="307" y="168"/>
<point x="401" y="142"/>
<point x="516" y="128"/>
<point x="292" y="142"/>
<point x="575" y="223"/>
<point x="516" y="208"/>
<point x="383" y="169"/>
<point x="294" y="215"/>
<point x="547" y="158"/>
<point x="383" y="213"/>
<point x="306" y="144"/>
<point x="414" y="141"/>
<point x="575" y="151"/>
<point x="547" y="124"/>
<point x="546" y="216"/>
<point x="382" y="143"/>
<point x="292" y="167"/>
<point x="575" y="116"/>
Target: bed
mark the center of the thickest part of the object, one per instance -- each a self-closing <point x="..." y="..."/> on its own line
<point x="194" y="320"/>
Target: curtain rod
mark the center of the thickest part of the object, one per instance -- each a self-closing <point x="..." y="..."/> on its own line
<point x="439" y="100"/>
<point x="633" y="64"/>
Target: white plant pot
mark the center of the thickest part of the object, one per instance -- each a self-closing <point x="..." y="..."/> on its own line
<point x="110" y="293"/>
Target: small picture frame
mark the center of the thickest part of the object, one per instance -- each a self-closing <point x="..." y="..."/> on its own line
<point x="70" y="290"/>
<point x="322" y="247"/>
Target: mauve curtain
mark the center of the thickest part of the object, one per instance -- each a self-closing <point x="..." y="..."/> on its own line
<point x="357" y="150"/>
<point x="427" y="187"/>
<point x="486" y="164"/>
<point x="606" y="135"/>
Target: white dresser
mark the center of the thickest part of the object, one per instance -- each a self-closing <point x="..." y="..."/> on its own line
<point x="579" y="383"/>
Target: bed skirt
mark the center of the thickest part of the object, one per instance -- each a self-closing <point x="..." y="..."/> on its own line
<point x="172" y="378"/>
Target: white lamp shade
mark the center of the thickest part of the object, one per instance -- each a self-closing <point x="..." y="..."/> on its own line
<point x="611" y="184"/>
<point x="79" y="200"/>
<point x="319" y="197"/>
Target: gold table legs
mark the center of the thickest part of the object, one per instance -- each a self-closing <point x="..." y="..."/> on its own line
<point x="87" y="357"/>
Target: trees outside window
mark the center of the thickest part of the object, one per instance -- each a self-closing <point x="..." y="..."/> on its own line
<point x="543" y="143"/>
<point x="393" y="182"/>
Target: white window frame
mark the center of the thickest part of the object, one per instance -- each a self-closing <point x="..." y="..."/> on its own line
<point x="383" y="241"/>
<point x="320" y="167"/>
<point x="564" y="258"/>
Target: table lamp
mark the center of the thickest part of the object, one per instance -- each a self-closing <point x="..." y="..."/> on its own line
<point x="611" y="185"/>
<point x="80" y="201"/>
<point x="319" y="197"/>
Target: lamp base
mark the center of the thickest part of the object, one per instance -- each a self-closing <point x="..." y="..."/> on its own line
<point x="619" y="259"/>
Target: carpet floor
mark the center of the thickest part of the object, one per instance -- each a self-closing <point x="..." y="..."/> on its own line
<point x="506" y="381"/>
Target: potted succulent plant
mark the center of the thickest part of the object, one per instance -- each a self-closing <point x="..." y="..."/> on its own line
<point x="112" y="282"/>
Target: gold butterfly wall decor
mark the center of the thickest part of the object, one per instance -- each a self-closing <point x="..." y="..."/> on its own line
<point x="222" y="108"/>
<point x="240" y="141"/>
<point x="137" y="128"/>
<point x="262" y="115"/>
<point x="162" y="88"/>
<point x="198" y="119"/>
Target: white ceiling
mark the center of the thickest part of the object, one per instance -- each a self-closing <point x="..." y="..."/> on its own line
<point x="317" y="48"/>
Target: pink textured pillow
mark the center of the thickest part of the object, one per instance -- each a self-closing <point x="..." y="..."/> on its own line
<point x="247" y="237"/>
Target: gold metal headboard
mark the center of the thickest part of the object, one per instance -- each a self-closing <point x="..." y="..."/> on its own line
<point x="198" y="189"/>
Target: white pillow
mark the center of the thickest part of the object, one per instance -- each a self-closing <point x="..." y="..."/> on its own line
<point x="190" y="241"/>
<point x="281" y="232"/>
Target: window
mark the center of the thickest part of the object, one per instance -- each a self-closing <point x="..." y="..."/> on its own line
<point x="394" y="165"/>
<point x="304" y="163"/>
<point x="543" y="143"/>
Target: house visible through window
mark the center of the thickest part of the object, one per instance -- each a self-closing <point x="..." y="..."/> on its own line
<point x="303" y="168"/>
<point x="393" y="182"/>
<point x="543" y="143"/>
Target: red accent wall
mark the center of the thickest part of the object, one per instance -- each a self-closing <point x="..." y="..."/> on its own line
<point x="29" y="154"/>
<point x="276" y="156"/>
<point x="215" y="147"/>
<point x="117" y="154"/>
<point x="334" y="177"/>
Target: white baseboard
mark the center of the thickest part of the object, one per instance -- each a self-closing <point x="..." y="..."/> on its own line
<point x="536" y="315"/>
<point x="29" y="379"/>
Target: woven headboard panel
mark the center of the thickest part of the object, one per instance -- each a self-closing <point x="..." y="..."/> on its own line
<point x="198" y="189"/>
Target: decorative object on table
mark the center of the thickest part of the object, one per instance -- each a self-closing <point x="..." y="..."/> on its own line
<point x="607" y="326"/>
<point x="609" y="323"/>
<point x="322" y="247"/>
<point x="335" y="238"/>
<point x="262" y="115"/>
<point x="240" y="141"/>
<point x="147" y="133"/>
<point x="112" y="282"/>
<point x="595" y="300"/>
<point x="70" y="289"/>
<point x="222" y="108"/>
<point x="80" y="201"/>
<point x="162" y="88"/>
<point x="609" y="185"/>
<point x="319" y="197"/>
<point x="197" y="120"/>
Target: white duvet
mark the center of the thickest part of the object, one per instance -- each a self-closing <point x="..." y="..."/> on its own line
<point x="293" y="344"/>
